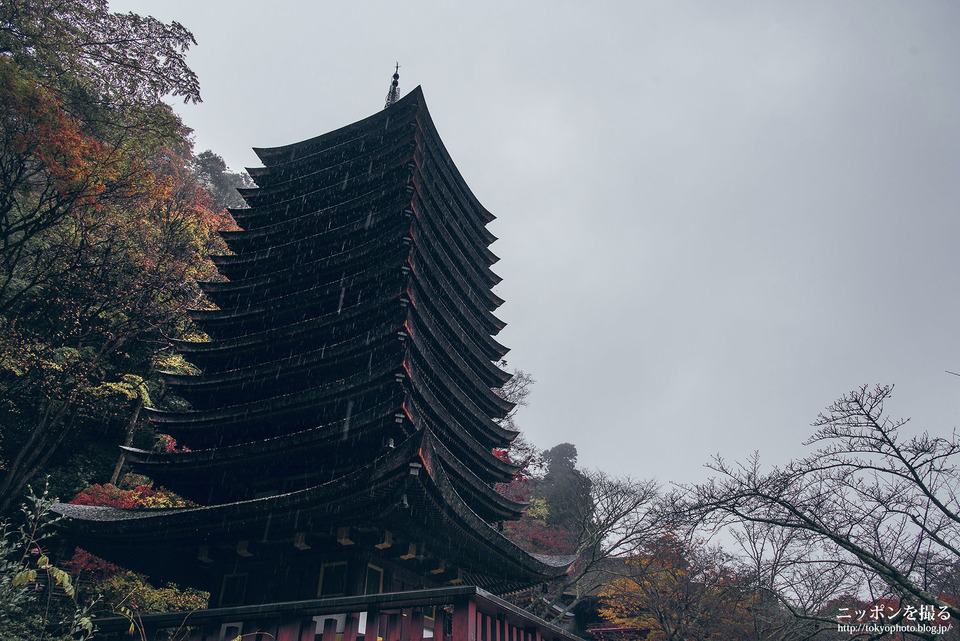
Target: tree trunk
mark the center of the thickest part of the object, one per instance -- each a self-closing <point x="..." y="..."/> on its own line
<point x="127" y="441"/>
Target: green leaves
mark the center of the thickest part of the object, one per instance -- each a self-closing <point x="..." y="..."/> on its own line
<point x="27" y="573"/>
<point x="62" y="579"/>
<point x="175" y="364"/>
<point x="117" y="59"/>
<point x="24" y="577"/>
<point x="130" y="387"/>
<point x="59" y="576"/>
<point x="85" y="624"/>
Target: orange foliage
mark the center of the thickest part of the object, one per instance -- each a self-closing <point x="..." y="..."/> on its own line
<point x="141" y="496"/>
<point x="103" y="240"/>
<point x="677" y="591"/>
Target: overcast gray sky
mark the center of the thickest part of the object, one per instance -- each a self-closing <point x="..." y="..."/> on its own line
<point x="715" y="217"/>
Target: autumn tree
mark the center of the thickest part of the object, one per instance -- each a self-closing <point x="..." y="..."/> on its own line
<point x="869" y="500"/>
<point x="103" y="224"/>
<point x="78" y="348"/>
<point x="114" y="589"/>
<point x="679" y="590"/>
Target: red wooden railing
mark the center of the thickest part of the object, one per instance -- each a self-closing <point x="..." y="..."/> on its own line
<point x="462" y="613"/>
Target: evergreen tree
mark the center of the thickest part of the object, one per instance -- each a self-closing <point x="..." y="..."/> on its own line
<point x="219" y="182"/>
<point x="565" y="489"/>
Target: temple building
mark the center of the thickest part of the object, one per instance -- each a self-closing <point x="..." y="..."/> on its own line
<point x="342" y="436"/>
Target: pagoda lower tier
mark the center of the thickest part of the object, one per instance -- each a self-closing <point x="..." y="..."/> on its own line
<point x="395" y="524"/>
<point x="307" y="459"/>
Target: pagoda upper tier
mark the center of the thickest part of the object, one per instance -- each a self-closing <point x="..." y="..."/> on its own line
<point x="358" y="312"/>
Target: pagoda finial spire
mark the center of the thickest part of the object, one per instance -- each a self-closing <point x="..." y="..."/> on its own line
<point x="394" y="94"/>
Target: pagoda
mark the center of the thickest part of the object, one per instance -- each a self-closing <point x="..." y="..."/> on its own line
<point x="341" y="439"/>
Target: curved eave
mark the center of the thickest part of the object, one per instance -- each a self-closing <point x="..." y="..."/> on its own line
<point x="299" y="279"/>
<point x="481" y="461"/>
<point x="413" y="468"/>
<point x="305" y="330"/>
<point x="303" y="251"/>
<point x="363" y="158"/>
<point x="273" y="205"/>
<point x="327" y="300"/>
<point x="456" y="316"/>
<point x="457" y="511"/>
<point x="178" y="523"/>
<point x="342" y="213"/>
<point x="301" y="208"/>
<point x="301" y="151"/>
<point x="425" y="369"/>
<point x="481" y="348"/>
<point x="203" y="467"/>
<point x="469" y="263"/>
<point x="496" y="507"/>
<point x="237" y="423"/>
<point x="432" y="179"/>
<point x="439" y="281"/>
<point x="205" y="461"/>
<point x="296" y="364"/>
<point x="426" y="125"/>
<point x="330" y="286"/>
<point x="349" y="221"/>
<point x="301" y="255"/>
<point x="454" y="364"/>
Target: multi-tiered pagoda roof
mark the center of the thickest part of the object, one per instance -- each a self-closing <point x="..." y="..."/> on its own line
<point x="346" y="407"/>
